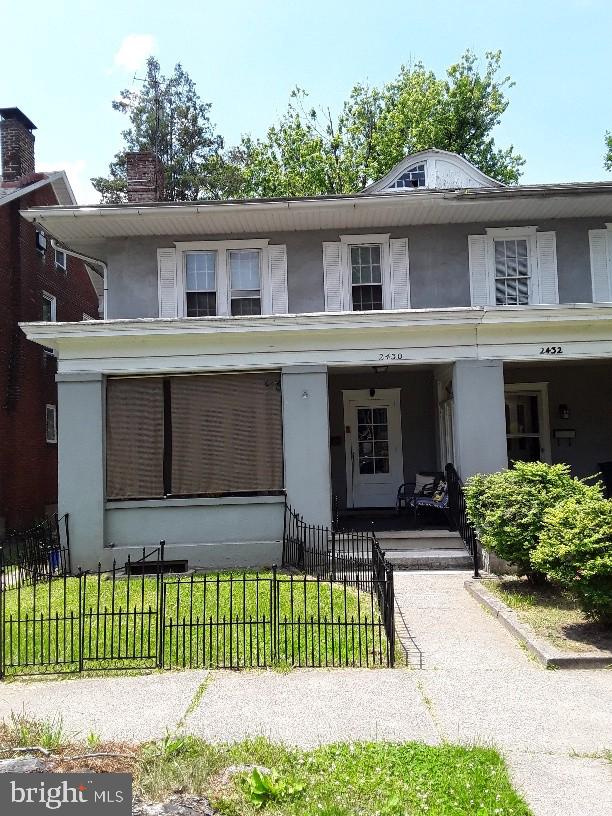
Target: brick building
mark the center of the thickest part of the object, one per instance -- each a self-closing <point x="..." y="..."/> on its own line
<point x="37" y="282"/>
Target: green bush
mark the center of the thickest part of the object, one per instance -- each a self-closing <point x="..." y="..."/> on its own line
<point x="507" y="508"/>
<point x="575" y="550"/>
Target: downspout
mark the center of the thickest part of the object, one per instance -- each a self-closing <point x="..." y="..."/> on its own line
<point x="93" y="261"/>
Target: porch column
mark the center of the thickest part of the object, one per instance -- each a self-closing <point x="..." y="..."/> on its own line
<point x="479" y="417"/>
<point x="80" y="414"/>
<point x="306" y="442"/>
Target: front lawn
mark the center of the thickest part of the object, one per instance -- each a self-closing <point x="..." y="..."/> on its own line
<point x="553" y="614"/>
<point x="231" y="619"/>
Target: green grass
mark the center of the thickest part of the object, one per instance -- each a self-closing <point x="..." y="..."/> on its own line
<point x="360" y="779"/>
<point x="553" y="614"/>
<point x="210" y="621"/>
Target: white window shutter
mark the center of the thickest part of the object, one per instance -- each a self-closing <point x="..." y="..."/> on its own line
<point x="332" y="276"/>
<point x="546" y="248"/>
<point x="166" y="276"/>
<point x="480" y="278"/>
<point x="601" y="271"/>
<point x="400" y="276"/>
<point x="277" y="261"/>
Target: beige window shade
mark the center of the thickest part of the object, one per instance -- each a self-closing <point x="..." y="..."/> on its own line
<point x="134" y="438"/>
<point x="226" y="434"/>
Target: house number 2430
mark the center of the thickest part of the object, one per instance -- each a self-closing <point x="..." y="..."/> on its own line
<point x="551" y="350"/>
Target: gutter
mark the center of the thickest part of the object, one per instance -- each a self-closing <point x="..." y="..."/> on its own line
<point x="92" y="262"/>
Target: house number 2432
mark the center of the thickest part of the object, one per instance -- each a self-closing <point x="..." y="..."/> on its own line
<point x="551" y="350"/>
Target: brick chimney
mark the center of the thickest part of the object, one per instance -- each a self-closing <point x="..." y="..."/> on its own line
<point x="145" y="177"/>
<point x="16" y="144"/>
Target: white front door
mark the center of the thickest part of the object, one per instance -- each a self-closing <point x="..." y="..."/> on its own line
<point x="373" y="445"/>
<point x="527" y="423"/>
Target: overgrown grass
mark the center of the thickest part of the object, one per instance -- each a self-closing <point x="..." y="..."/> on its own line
<point x="231" y="619"/>
<point x="553" y="614"/>
<point x="25" y="731"/>
<point x="335" y="780"/>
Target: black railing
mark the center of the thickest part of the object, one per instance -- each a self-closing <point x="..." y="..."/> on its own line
<point x="458" y="513"/>
<point x="129" y="617"/>
<point x="37" y="554"/>
<point x="352" y="557"/>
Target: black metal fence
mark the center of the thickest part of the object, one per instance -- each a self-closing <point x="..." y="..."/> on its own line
<point x="137" y="616"/>
<point x="37" y="554"/>
<point x="459" y="518"/>
<point x="352" y="557"/>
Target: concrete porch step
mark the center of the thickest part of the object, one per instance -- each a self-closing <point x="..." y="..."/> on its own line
<point x="419" y="540"/>
<point x="431" y="559"/>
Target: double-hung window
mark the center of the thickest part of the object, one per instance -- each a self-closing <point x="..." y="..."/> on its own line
<point x="201" y="283"/>
<point x="366" y="277"/>
<point x="49" y="308"/>
<point x="245" y="281"/>
<point x="512" y="273"/>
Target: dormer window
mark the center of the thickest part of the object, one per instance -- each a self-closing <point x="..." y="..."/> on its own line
<point x="414" y="177"/>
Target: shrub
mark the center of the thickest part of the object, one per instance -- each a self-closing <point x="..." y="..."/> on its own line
<point x="575" y="550"/>
<point x="507" y="508"/>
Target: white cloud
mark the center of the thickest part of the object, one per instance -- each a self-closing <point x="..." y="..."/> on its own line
<point x="134" y="50"/>
<point x="76" y="170"/>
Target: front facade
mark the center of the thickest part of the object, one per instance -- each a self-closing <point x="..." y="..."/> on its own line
<point x="325" y="348"/>
<point x="36" y="283"/>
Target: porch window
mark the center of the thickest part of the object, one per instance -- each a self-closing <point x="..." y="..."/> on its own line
<point x="366" y="277"/>
<point x="201" y="435"/>
<point x="245" y="278"/>
<point x="201" y="283"/>
<point x="414" y="177"/>
<point x="511" y="272"/>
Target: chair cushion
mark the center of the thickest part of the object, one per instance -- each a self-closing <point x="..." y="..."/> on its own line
<point x="421" y="480"/>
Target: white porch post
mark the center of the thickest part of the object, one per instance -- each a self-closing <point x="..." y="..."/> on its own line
<point x="479" y="417"/>
<point x="306" y="442"/>
<point x="80" y="415"/>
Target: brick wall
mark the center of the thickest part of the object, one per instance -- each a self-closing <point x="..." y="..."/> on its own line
<point x="28" y="464"/>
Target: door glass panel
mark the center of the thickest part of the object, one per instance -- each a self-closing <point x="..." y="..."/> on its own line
<point x="524" y="449"/>
<point x="372" y="436"/>
<point x="523" y="427"/>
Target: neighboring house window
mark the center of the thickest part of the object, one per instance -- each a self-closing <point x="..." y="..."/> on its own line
<point x="193" y="435"/>
<point x="366" y="277"/>
<point x="51" y="424"/>
<point x="201" y="284"/>
<point x="511" y="272"/>
<point x="223" y="278"/>
<point x="245" y="281"/>
<point x="41" y="242"/>
<point x="415" y="177"/>
<point x="513" y="266"/>
<point x="60" y="260"/>
<point x="366" y="273"/>
<point x="49" y="308"/>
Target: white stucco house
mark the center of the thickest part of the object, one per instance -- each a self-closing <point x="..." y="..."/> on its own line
<point x="326" y="346"/>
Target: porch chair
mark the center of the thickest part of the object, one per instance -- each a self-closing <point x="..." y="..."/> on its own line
<point x="424" y="485"/>
<point x="437" y="501"/>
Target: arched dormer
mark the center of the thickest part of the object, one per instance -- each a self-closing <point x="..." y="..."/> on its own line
<point x="432" y="170"/>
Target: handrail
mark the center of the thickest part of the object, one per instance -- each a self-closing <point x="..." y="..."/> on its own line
<point x="458" y="513"/>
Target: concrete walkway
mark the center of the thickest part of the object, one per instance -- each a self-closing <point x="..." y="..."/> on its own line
<point x="476" y="686"/>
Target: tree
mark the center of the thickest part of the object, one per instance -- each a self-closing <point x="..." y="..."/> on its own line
<point x="309" y="152"/>
<point x="167" y="117"/>
<point x="608" y="159"/>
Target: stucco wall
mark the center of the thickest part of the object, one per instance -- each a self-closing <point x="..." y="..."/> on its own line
<point x="586" y="389"/>
<point x="418" y="412"/>
<point x="439" y="273"/>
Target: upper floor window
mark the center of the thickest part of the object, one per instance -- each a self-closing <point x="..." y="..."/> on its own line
<point x="41" y="242"/>
<point x="414" y="177"/>
<point x="60" y="260"/>
<point x="245" y="281"/>
<point x="366" y="277"/>
<point x="49" y="308"/>
<point x="511" y="272"/>
<point x="513" y="266"/>
<point x="51" y="424"/>
<point x="201" y="283"/>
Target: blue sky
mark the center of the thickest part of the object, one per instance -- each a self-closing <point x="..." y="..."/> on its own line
<point x="64" y="62"/>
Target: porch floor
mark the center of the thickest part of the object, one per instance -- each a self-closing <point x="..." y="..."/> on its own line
<point x="383" y="520"/>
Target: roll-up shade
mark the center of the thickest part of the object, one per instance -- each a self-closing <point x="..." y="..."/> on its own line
<point x="134" y="438"/>
<point x="226" y="433"/>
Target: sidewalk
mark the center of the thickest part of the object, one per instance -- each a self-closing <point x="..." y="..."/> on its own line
<point x="477" y="685"/>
